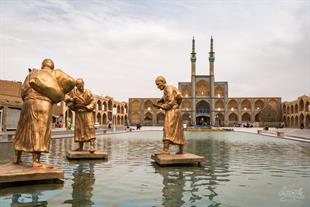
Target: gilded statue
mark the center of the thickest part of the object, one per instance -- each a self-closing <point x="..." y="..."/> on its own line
<point x="82" y="102"/>
<point x="41" y="89"/>
<point x="170" y="103"/>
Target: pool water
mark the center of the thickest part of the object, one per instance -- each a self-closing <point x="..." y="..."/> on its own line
<point x="240" y="169"/>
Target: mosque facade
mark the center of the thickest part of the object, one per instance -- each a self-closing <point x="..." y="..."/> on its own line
<point x="207" y="102"/>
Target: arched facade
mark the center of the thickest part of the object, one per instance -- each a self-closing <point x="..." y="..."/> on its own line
<point x="297" y="112"/>
<point x="202" y="88"/>
<point x="204" y="99"/>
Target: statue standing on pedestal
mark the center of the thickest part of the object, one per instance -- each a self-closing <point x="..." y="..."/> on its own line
<point x="82" y="102"/>
<point x="40" y="90"/>
<point x="173" y="127"/>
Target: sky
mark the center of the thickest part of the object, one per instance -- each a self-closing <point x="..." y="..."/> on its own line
<point x="262" y="47"/>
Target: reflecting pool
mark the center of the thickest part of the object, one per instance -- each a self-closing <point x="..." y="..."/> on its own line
<point x="240" y="169"/>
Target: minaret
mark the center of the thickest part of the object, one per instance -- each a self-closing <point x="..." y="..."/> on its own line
<point x="193" y="81"/>
<point x="193" y="58"/>
<point x="211" y="58"/>
<point x="211" y="68"/>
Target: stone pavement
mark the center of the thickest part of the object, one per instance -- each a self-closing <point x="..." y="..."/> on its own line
<point x="287" y="133"/>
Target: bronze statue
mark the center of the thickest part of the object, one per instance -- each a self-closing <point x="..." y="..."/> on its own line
<point x="82" y="102"/>
<point x="170" y="102"/>
<point x="40" y="90"/>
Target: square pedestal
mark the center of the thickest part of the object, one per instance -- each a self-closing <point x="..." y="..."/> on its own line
<point x="177" y="159"/>
<point x="10" y="173"/>
<point x="87" y="155"/>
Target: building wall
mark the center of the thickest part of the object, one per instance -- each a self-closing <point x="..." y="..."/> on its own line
<point x="206" y="101"/>
<point x="297" y="112"/>
<point x="103" y="114"/>
<point x="10" y="104"/>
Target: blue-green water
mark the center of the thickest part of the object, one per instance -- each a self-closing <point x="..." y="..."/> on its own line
<point x="240" y="169"/>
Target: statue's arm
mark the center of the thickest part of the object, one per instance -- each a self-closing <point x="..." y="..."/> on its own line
<point x="170" y="100"/>
<point x="25" y="87"/>
<point x="92" y="104"/>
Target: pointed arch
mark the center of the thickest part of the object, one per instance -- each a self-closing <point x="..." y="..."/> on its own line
<point x="202" y="107"/>
<point x="148" y="105"/>
<point x="148" y="119"/>
<point x="219" y="104"/>
<point x="202" y="88"/>
<point x="246" y="117"/>
<point x="160" y="118"/>
<point x="259" y="104"/>
<point x="246" y="105"/>
<point x="233" y="105"/>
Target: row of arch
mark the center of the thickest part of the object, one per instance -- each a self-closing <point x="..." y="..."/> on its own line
<point x="202" y="89"/>
<point x="219" y="104"/>
<point x="104" y="118"/>
<point x="101" y="118"/>
<point x="296" y="121"/>
<point x="108" y="106"/>
<point x="150" y="119"/>
<point x="300" y="106"/>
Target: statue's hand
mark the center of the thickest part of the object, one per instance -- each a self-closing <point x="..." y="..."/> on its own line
<point x="157" y="105"/>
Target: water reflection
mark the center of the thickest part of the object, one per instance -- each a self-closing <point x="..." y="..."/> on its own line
<point x="196" y="185"/>
<point x="17" y="201"/>
<point x="82" y="187"/>
<point x="239" y="170"/>
<point x="30" y="196"/>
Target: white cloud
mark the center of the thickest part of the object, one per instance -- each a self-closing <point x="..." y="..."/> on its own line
<point x="118" y="47"/>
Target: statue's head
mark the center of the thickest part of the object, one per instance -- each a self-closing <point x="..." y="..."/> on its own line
<point x="161" y="82"/>
<point x="79" y="84"/>
<point x="47" y="63"/>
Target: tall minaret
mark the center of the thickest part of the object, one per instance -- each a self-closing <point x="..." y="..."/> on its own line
<point x="193" y="58"/>
<point x="193" y="81"/>
<point x="211" y="68"/>
<point x="211" y="58"/>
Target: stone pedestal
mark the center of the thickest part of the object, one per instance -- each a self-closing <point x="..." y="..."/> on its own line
<point x="10" y="173"/>
<point x="177" y="159"/>
<point x="86" y="155"/>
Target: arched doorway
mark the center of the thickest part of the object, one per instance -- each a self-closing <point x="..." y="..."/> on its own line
<point x="301" y="120"/>
<point x="110" y="105"/>
<point x="219" y="119"/>
<point x="233" y="119"/>
<point x="307" y="122"/>
<point x="104" y="119"/>
<point x="118" y="120"/>
<point x="148" y="119"/>
<point x="246" y="117"/>
<point x="203" y="120"/>
<point x="296" y="122"/>
<point x="99" y="118"/>
<point x="301" y="105"/>
<point x="202" y="107"/>
<point x="288" y="121"/>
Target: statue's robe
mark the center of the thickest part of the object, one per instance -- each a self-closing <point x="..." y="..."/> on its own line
<point x="84" y="104"/>
<point x="173" y="126"/>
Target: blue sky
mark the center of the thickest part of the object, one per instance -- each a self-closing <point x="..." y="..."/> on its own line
<point x="262" y="48"/>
